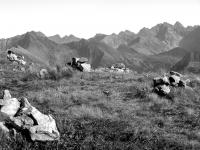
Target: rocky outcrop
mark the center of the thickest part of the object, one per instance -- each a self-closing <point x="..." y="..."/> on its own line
<point x="162" y="84"/>
<point x="80" y="64"/>
<point x="11" y="56"/>
<point x="22" y="116"/>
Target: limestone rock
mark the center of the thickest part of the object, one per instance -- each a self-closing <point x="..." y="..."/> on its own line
<point x="45" y="128"/>
<point x="22" y="115"/>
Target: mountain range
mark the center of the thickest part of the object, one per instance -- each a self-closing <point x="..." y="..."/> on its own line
<point x="163" y="46"/>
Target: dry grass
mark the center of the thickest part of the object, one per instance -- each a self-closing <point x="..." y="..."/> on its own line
<point x="127" y="116"/>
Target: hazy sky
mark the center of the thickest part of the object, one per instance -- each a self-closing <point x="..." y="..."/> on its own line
<point x="85" y="18"/>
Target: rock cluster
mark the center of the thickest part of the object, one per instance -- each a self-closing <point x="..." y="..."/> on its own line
<point x="22" y="116"/>
<point x="119" y="68"/>
<point x="80" y="64"/>
<point x="162" y="84"/>
<point x="11" y="56"/>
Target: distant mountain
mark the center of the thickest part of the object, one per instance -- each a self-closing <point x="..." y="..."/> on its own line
<point x="191" y="42"/>
<point x="161" y="47"/>
<point x="66" y="39"/>
<point x="191" y="61"/>
<point x="160" y="38"/>
<point x="115" y="40"/>
<point x="98" y="37"/>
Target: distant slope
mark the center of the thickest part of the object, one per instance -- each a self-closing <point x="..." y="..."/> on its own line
<point x="39" y="46"/>
<point x="160" y="38"/>
<point x="99" y="54"/>
<point x="115" y="40"/>
<point x="177" y="52"/>
<point x="191" y="61"/>
<point x="191" y="42"/>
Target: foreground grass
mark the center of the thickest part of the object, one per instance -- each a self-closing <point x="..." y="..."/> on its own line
<point x="110" y="111"/>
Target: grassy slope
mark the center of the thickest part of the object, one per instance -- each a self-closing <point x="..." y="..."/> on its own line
<point x="129" y="117"/>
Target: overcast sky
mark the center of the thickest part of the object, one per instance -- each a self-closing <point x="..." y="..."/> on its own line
<point x="85" y="18"/>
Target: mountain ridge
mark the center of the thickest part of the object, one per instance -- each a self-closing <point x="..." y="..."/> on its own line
<point x="149" y="49"/>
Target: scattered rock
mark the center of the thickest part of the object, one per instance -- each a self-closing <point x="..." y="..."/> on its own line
<point x="162" y="84"/>
<point x="15" y="58"/>
<point x="43" y="73"/>
<point x="80" y="64"/>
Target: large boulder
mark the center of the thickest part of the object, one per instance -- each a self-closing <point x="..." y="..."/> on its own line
<point x="46" y="129"/>
<point x="22" y="115"/>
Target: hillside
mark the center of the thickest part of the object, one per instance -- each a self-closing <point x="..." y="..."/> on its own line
<point x="39" y="46"/>
<point x="130" y="116"/>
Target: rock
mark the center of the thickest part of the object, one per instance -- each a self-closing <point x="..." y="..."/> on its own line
<point x="8" y="104"/>
<point x="6" y="95"/>
<point x="182" y="83"/>
<point x="23" y="121"/>
<point x="80" y="64"/>
<point x="82" y="60"/>
<point x="119" y="66"/>
<point x="160" y="81"/>
<point x="11" y="56"/>
<point x="174" y="80"/>
<point x="86" y="67"/>
<point x="43" y="73"/>
<point x="23" y="116"/>
<point x="162" y="85"/>
<point x="22" y="69"/>
<point x="45" y="128"/>
<point x="175" y="73"/>
<point x="3" y="127"/>
<point x="162" y="90"/>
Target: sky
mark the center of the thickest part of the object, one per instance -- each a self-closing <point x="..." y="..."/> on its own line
<point x="85" y="18"/>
